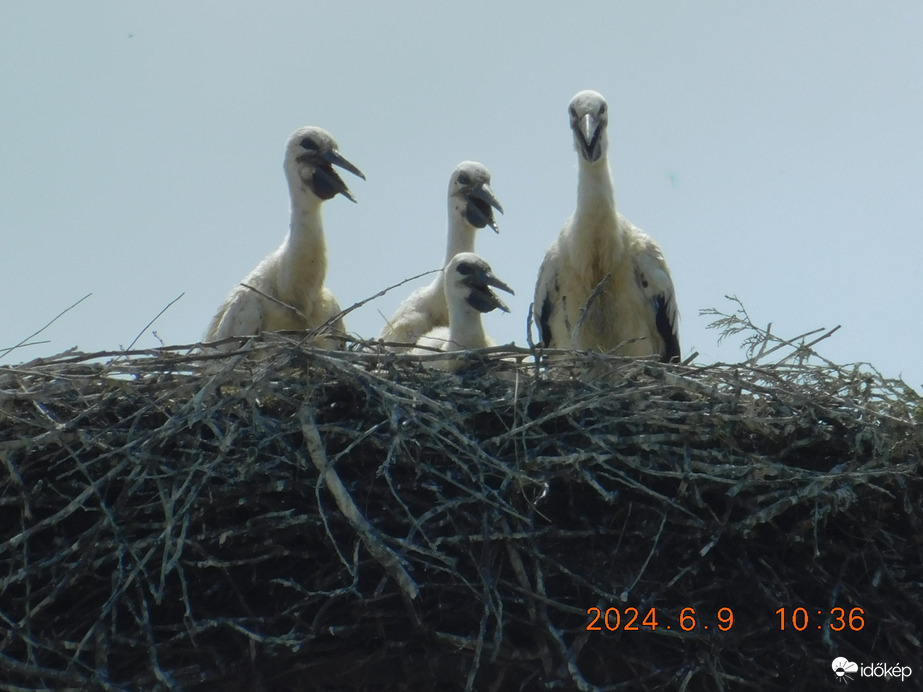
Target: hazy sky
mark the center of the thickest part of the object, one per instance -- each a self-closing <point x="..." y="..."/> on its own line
<point x="772" y="148"/>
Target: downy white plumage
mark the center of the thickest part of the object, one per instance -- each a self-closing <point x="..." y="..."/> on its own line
<point x="468" y="279"/>
<point x="286" y="289"/>
<point x="604" y="284"/>
<point x="471" y="204"/>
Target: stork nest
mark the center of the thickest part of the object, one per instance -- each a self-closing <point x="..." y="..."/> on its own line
<point x="285" y="518"/>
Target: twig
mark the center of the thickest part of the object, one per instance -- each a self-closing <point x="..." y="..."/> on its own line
<point x="342" y="313"/>
<point x="663" y="522"/>
<point x="156" y="317"/>
<point x="597" y="291"/>
<point x="276" y="301"/>
<point x="384" y="555"/>
<point x="55" y="319"/>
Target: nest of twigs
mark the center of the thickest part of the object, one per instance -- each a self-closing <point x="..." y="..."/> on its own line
<point x="284" y="518"/>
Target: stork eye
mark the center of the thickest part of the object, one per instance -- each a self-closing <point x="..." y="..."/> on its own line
<point x="465" y="268"/>
<point x="309" y="143"/>
<point x="463" y="179"/>
<point x="573" y="112"/>
<point x="602" y="109"/>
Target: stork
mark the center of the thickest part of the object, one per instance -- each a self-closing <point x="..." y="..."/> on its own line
<point x="468" y="279"/>
<point x="471" y="205"/>
<point x="604" y="284"/>
<point x="286" y="289"/>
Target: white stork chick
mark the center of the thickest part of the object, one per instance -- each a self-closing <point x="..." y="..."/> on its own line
<point x="633" y="312"/>
<point x="471" y="205"/>
<point x="468" y="279"/>
<point x="286" y="289"/>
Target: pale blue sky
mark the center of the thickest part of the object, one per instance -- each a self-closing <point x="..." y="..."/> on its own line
<point x="772" y="148"/>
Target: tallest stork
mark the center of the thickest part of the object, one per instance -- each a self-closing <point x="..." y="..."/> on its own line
<point x="604" y="284"/>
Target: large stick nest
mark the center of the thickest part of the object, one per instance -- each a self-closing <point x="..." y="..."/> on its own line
<point x="284" y="518"/>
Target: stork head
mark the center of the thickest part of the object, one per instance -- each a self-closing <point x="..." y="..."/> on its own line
<point x="310" y="157"/>
<point x="588" y="118"/>
<point x="468" y="278"/>
<point x="471" y="197"/>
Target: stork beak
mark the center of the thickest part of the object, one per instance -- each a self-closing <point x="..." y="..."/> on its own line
<point x="588" y="133"/>
<point x="480" y="201"/>
<point x="482" y="298"/>
<point x="337" y="159"/>
<point x="329" y="176"/>
<point x="492" y="280"/>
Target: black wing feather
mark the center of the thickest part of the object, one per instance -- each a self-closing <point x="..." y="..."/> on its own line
<point x="544" y="324"/>
<point x="666" y="329"/>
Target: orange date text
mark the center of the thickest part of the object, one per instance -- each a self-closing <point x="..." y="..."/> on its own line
<point x="631" y="619"/>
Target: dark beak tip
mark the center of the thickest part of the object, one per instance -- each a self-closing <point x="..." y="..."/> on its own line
<point x="355" y="171"/>
<point x="335" y="158"/>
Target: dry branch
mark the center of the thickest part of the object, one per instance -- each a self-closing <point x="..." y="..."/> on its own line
<point x="372" y="542"/>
